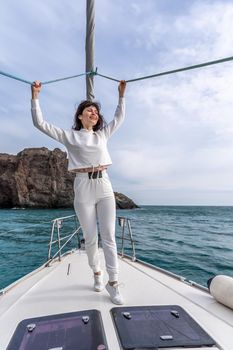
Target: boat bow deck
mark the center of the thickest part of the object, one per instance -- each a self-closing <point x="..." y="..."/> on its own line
<point x="67" y="286"/>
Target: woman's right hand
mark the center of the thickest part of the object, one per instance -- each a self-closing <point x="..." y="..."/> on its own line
<point x="35" y="87"/>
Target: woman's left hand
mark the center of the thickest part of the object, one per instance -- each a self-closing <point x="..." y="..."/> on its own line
<point x="121" y="88"/>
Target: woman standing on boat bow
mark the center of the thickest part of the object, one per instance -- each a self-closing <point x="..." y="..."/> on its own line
<point x="94" y="200"/>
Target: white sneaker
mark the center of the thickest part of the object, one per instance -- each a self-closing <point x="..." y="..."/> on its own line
<point x="115" y="294"/>
<point x="98" y="282"/>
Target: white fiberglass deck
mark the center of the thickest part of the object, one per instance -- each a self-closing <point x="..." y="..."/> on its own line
<point x="54" y="290"/>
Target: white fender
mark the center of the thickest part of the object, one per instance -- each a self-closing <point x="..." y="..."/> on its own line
<point x="221" y="288"/>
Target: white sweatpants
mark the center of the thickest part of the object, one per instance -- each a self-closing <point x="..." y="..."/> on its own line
<point x="94" y="202"/>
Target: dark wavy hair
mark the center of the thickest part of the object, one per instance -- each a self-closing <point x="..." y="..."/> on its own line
<point x="85" y="104"/>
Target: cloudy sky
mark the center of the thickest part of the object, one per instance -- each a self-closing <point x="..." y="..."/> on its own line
<point x="176" y="145"/>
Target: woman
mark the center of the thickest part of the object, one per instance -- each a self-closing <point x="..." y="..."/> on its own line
<point x="86" y="144"/>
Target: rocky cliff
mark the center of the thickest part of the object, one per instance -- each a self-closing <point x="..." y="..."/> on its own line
<point x="38" y="178"/>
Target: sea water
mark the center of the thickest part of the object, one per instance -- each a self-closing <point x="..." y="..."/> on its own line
<point x="195" y="242"/>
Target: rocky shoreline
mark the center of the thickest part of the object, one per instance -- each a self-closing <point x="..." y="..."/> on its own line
<point x="38" y="178"/>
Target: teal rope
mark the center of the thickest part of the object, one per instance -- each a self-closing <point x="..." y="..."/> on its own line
<point x="183" y="69"/>
<point x="71" y="77"/>
<point x="45" y="82"/>
<point x="128" y="81"/>
<point x="106" y="77"/>
<point x="14" y="77"/>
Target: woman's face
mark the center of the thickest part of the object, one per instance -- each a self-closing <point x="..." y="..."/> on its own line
<point x="89" y="117"/>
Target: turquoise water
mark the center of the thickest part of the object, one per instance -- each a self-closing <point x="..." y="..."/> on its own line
<point x="195" y="242"/>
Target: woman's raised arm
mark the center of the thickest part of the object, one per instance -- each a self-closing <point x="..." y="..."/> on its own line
<point x="37" y="117"/>
<point x="119" y="116"/>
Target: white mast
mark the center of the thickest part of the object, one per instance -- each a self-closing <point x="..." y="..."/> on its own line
<point x="90" y="40"/>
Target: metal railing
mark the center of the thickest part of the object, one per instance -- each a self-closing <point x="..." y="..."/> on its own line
<point x="61" y="242"/>
<point x="57" y="225"/>
<point x="125" y="223"/>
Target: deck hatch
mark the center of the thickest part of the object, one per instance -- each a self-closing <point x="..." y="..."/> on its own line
<point x="70" y="331"/>
<point x="151" y="327"/>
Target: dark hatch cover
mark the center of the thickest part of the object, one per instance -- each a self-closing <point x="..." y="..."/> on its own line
<point x="151" y="327"/>
<point x="71" y="331"/>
